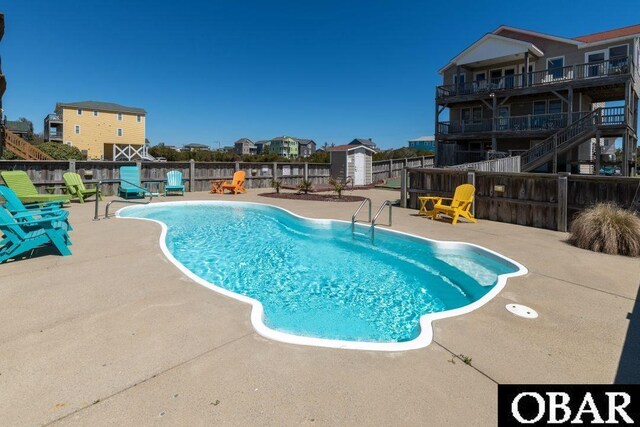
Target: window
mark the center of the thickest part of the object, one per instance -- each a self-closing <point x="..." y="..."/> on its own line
<point x="596" y="63"/>
<point x="139" y="118"/>
<point x="555" y="106"/>
<point x="496" y="77"/>
<point x="95" y="113"/>
<point x="119" y="116"/>
<point x="119" y="131"/>
<point x="555" y="67"/>
<point x="77" y="129"/>
<point x="69" y="143"/>
<point x="618" y="57"/>
<point x="480" y="76"/>
<point x="462" y="79"/>
<point x="79" y="111"/>
<point x="539" y="108"/>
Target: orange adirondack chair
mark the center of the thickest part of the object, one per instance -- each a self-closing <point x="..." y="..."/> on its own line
<point x="237" y="183"/>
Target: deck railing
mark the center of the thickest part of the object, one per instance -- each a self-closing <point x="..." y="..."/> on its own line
<point x="590" y="70"/>
<point x="609" y="116"/>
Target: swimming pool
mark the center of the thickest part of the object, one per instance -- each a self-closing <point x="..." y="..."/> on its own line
<point x="313" y="282"/>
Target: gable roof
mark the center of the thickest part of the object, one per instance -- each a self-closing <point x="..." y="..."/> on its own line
<point x="101" y="106"/>
<point x="632" y="30"/>
<point x="243" y="141"/>
<point x="303" y="141"/>
<point x="501" y="28"/>
<point x="349" y="147"/>
<point x="488" y="45"/>
<point x="362" y="141"/>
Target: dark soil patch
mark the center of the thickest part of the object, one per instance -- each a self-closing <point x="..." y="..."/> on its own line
<point x="314" y="196"/>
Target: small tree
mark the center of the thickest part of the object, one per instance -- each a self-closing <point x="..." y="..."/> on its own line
<point x="276" y="184"/>
<point x="305" y="186"/>
<point x="338" y="186"/>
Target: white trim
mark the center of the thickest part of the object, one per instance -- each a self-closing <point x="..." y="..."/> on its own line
<point x="564" y="61"/>
<point x="257" y="312"/>
<point x="77" y="129"/>
<point x="95" y="113"/>
<point x="120" y="117"/>
<point x="79" y="111"/>
<point x="536" y="34"/>
<point x="119" y="132"/>
<point x="592" y="52"/>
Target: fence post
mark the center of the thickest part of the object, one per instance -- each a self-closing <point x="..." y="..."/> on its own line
<point x="275" y="171"/>
<point x="563" y="182"/>
<point x="555" y="154"/>
<point x="192" y="175"/>
<point x="422" y="162"/>
<point x="390" y="168"/>
<point x="306" y="171"/>
<point x="471" y="179"/>
<point x="237" y="166"/>
<point x="403" y="188"/>
<point x="72" y="166"/>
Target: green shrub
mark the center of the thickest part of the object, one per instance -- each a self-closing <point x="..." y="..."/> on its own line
<point x="305" y="187"/>
<point x="61" y="151"/>
<point x="338" y="186"/>
<point x="607" y="228"/>
<point x="276" y="184"/>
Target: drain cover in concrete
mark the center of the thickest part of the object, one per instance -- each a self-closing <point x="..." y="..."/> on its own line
<point x="522" y="311"/>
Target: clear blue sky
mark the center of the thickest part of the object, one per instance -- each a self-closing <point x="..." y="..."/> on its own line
<point x="211" y="70"/>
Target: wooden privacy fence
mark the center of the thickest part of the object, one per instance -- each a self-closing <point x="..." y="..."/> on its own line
<point x="196" y="174"/>
<point x="383" y="169"/>
<point x="532" y="199"/>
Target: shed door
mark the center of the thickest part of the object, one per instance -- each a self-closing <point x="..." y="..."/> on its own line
<point x="359" y="170"/>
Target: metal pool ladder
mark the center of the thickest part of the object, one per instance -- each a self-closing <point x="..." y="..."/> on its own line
<point x="355" y="214"/>
<point x="375" y="217"/>
<point x="371" y="220"/>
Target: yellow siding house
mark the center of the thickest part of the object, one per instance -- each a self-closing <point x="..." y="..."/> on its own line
<point x="101" y="130"/>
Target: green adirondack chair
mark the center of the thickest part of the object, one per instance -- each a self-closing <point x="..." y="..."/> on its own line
<point x="19" y="237"/>
<point x="20" y="183"/>
<point x="130" y="185"/>
<point x="77" y="189"/>
<point x="174" y="183"/>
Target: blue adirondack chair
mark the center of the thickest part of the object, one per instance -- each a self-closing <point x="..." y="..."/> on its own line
<point x="130" y="185"/>
<point x="24" y="236"/>
<point x="29" y="212"/>
<point x="174" y="183"/>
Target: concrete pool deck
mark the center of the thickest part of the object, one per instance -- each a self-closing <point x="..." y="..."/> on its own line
<point x="115" y="334"/>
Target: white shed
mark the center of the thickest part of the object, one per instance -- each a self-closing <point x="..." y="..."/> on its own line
<point x="353" y="161"/>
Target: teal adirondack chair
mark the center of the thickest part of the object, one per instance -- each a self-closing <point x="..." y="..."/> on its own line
<point x="174" y="183"/>
<point x="19" y="237"/>
<point x="130" y="185"/>
<point x="29" y="212"/>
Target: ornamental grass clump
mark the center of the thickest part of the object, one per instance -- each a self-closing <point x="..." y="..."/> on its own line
<point x="607" y="228"/>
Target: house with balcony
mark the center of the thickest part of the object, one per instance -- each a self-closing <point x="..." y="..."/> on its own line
<point x="540" y="96"/>
<point x="284" y="146"/>
<point x="244" y="147"/>
<point x="101" y="130"/>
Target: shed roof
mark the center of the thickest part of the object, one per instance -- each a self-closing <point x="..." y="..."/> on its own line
<point x="349" y="147"/>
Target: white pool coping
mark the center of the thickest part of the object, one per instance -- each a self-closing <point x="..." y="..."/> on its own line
<point x="257" y="313"/>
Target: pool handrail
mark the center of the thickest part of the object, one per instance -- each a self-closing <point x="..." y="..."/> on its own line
<point x="375" y="217"/>
<point x="355" y="214"/>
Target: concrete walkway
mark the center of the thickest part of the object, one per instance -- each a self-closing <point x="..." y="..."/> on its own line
<point x="116" y="335"/>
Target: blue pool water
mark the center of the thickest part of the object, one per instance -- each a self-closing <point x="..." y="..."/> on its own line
<point x="315" y="279"/>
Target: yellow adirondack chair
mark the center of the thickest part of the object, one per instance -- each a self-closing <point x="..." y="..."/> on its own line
<point x="237" y="183"/>
<point x="459" y="205"/>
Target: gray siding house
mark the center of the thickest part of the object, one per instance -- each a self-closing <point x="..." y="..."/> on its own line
<point x="244" y="146"/>
<point x="352" y="162"/>
<point x="306" y="147"/>
<point x="520" y="92"/>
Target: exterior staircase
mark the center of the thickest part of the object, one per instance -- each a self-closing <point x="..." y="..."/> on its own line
<point x="562" y="141"/>
<point x="21" y="148"/>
